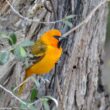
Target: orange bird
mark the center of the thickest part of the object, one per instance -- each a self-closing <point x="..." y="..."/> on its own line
<point x="48" y="51"/>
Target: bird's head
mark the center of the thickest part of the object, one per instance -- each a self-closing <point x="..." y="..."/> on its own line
<point x="52" y="37"/>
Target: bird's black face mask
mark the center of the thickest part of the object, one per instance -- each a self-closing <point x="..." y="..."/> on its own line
<point x="61" y="40"/>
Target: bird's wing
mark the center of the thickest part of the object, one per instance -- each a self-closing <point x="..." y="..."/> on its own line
<point x="39" y="48"/>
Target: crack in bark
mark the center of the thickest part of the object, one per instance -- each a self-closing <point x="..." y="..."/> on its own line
<point x="75" y="101"/>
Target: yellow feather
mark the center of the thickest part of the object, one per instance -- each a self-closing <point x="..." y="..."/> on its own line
<point x="47" y="49"/>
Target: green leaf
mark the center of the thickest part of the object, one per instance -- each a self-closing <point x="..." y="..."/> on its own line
<point x="4" y="56"/>
<point x="34" y="94"/>
<point x="20" y="52"/>
<point x="46" y="105"/>
<point x="27" y="107"/>
<point x="22" y="106"/>
<point x="37" y="83"/>
<point x="43" y="99"/>
<point x="69" y="17"/>
<point x="26" y="63"/>
<point x="32" y="107"/>
<point x="2" y="35"/>
<point x="53" y="99"/>
<point x="26" y="43"/>
<point x="12" y="39"/>
<point x="68" y="23"/>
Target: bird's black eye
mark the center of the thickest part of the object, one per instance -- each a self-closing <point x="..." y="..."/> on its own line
<point x="57" y="37"/>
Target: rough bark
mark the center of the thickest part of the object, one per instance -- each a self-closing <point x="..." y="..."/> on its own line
<point x="79" y="72"/>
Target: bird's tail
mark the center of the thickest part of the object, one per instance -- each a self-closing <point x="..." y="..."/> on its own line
<point x="21" y="88"/>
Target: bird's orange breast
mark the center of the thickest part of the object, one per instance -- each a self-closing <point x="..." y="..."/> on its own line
<point x="51" y="56"/>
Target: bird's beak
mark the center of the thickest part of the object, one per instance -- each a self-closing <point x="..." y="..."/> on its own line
<point x="57" y="37"/>
<point x="61" y="41"/>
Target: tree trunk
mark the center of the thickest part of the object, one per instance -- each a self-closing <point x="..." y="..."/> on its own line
<point x="79" y="72"/>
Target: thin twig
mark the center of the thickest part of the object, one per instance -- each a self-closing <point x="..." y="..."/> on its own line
<point x="31" y="20"/>
<point x="10" y="48"/>
<point x="11" y="108"/>
<point x="22" y="83"/>
<point x="86" y="20"/>
<point x="3" y="19"/>
<point x="14" y="96"/>
<point x="29" y="78"/>
<point x="37" y="101"/>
